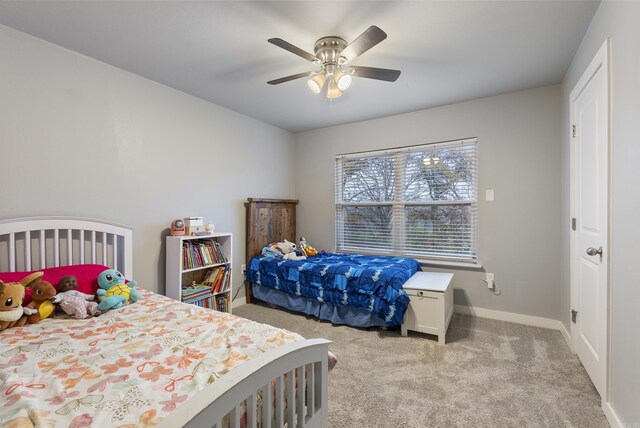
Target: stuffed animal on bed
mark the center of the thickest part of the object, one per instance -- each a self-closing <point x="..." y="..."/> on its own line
<point x="41" y="294"/>
<point x="72" y="302"/>
<point x="12" y="314"/>
<point x="113" y="292"/>
<point x="282" y="250"/>
<point x="308" y="250"/>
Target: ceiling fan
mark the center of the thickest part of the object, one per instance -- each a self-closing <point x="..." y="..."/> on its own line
<point x="333" y="55"/>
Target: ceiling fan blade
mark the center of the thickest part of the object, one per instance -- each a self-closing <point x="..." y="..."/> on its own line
<point x="293" y="49"/>
<point x="288" y="78"/>
<point x="365" y="41"/>
<point x="376" y="73"/>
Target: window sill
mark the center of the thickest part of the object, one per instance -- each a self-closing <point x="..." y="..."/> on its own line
<point x="448" y="263"/>
<point x="422" y="262"/>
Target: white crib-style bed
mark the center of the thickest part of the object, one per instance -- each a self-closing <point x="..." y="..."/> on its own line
<point x="291" y="375"/>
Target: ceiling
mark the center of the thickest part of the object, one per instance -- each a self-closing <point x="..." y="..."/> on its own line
<point x="448" y="51"/>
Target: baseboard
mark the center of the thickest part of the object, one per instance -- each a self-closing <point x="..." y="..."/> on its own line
<point x="611" y="415"/>
<point x="509" y="316"/>
<point x="566" y="335"/>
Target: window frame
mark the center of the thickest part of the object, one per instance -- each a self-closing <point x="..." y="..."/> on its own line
<point x="398" y="246"/>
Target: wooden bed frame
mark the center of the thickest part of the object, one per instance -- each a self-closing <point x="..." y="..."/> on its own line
<point x="268" y="220"/>
<point x="37" y="242"/>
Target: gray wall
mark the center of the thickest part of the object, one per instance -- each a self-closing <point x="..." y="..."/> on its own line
<point x="78" y="137"/>
<point x="619" y="21"/>
<point x="519" y="156"/>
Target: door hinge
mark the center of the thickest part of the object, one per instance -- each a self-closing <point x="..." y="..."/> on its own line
<point x="573" y="223"/>
<point x="573" y="131"/>
<point x="574" y="315"/>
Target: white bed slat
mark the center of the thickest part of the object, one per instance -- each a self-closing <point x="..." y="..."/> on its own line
<point x="291" y="394"/>
<point x="104" y="249"/>
<point x="81" y="247"/>
<point x="279" y="403"/>
<point x="311" y="402"/>
<point x="234" y="417"/>
<point x="69" y="247"/>
<point x="56" y="247"/>
<point x="267" y="412"/>
<point x="93" y="247"/>
<point x="115" y="252"/>
<point x="27" y="250"/>
<point x="43" y="252"/>
<point x="317" y="368"/>
<point x="251" y="411"/>
<point x="12" y="252"/>
<point x="300" y="396"/>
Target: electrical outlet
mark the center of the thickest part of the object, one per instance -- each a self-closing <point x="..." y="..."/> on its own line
<point x="490" y="280"/>
<point x="243" y="268"/>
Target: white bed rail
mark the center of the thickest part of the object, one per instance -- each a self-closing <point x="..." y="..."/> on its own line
<point x="32" y="243"/>
<point x="305" y="404"/>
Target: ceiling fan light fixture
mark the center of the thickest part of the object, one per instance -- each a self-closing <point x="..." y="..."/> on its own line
<point x="333" y="91"/>
<point x="316" y="83"/>
<point x="333" y="55"/>
<point x="344" y="80"/>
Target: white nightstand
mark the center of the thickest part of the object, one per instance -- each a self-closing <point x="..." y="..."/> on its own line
<point x="431" y="304"/>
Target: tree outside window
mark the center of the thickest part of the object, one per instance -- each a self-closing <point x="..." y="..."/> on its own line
<point x="417" y="201"/>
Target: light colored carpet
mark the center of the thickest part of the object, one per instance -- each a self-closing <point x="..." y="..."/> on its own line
<point x="490" y="373"/>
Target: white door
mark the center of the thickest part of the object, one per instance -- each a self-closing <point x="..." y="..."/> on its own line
<point x="590" y="158"/>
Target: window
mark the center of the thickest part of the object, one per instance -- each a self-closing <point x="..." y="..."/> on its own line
<point x="415" y="201"/>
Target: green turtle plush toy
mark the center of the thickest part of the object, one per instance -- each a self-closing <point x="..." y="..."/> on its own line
<point x="113" y="292"/>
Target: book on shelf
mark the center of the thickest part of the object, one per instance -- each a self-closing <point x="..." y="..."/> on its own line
<point x="218" y="279"/>
<point x="221" y="303"/>
<point x="197" y="294"/>
<point x="201" y="252"/>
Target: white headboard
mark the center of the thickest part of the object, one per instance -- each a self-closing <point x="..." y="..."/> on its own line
<point x="32" y="243"/>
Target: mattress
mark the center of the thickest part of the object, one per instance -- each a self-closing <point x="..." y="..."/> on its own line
<point x="130" y="366"/>
<point x="332" y="282"/>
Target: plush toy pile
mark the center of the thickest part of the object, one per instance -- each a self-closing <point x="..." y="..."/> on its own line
<point x="45" y="299"/>
<point x="282" y="250"/>
<point x="289" y="251"/>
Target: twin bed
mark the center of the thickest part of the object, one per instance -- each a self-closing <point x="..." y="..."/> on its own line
<point x="357" y="290"/>
<point x="156" y="362"/>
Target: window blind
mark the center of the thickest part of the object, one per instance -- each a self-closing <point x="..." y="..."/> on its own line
<point x="418" y="201"/>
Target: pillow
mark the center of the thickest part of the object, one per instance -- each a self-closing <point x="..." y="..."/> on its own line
<point x="87" y="276"/>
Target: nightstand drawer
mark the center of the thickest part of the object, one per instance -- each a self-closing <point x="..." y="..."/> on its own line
<point x="425" y="311"/>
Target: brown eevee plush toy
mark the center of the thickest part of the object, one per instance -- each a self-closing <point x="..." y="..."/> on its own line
<point x="11" y="295"/>
<point x="41" y="293"/>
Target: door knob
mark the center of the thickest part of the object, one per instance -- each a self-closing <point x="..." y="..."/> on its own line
<point x="592" y="251"/>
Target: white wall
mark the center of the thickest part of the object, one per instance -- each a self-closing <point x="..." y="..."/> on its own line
<point x="79" y="137"/>
<point x="519" y="156"/>
<point x="619" y="21"/>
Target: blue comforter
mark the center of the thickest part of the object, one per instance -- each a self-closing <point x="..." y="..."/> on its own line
<point x="373" y="283"/>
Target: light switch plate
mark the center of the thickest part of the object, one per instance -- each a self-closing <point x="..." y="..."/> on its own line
<point x="489" y="195"/>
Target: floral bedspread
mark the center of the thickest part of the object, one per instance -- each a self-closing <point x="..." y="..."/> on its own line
<point x="126" y="368"/>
